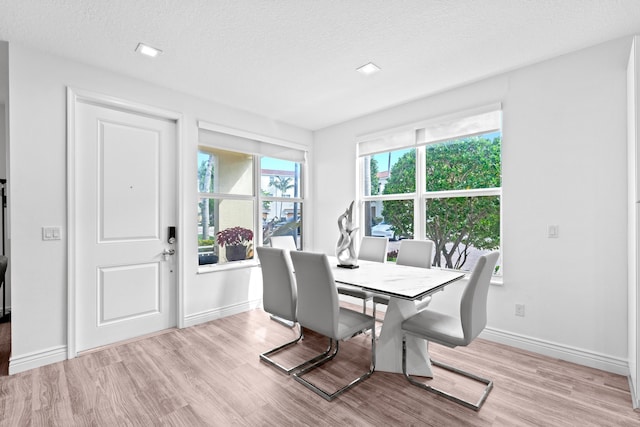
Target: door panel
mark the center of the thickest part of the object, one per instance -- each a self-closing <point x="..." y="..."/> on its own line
<point x="129" y="182"/>
<point x="125" y="202"/>
<point x="141" y="283"/>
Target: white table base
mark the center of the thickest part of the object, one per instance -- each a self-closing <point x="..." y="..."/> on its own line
<point x="389" y="345"/>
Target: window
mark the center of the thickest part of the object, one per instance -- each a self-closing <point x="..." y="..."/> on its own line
<point x="281" y="204"/>
<point x="444" y="185"/>
<point x="248" y="191"/>
<point x="226" y="206"/>
<point x="389" y="212"/>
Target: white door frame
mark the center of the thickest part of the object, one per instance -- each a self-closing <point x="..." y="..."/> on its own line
<point x="73" y="97"/>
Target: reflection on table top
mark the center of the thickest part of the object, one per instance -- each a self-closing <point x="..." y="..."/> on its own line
<point x="398" y="281"/>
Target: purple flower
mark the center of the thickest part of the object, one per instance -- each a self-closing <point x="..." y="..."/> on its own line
<point x="234" y="236"/>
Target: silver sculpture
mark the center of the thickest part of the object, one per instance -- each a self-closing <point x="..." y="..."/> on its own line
<point x="345" y="249"/>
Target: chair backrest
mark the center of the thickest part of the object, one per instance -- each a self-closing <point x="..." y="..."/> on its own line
<point x="318" y="307"/>
<point x="283" y="242"/>
<point x="279" y="295"/>
<point x="473" y="305"/>
<point x="416" y="253"/>
<point x="373" y="249"/>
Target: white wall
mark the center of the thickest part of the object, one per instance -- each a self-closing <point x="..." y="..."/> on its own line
<point x="564" y="162"/>
<point x="633" y="74"/>
<point x="37" y="140"/>
<point x="4" y="132"/>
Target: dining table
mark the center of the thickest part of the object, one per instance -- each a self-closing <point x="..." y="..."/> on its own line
<point x="404" y="285"/>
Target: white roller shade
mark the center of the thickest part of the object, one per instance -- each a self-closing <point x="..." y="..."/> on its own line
<point x="235" y="140"/>
<point x="458" y="125"/>
<point x="459" y="128"/>
<point x="394" y="141"/>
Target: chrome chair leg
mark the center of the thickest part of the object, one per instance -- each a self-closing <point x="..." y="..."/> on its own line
<point x="265" y="356"/>
<point x="330" y="396"/>
<point x="283" y="322"/>
<point x="475" y="406"/>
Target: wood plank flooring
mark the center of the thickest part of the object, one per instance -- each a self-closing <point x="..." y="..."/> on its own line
<point x="210" y="375"/>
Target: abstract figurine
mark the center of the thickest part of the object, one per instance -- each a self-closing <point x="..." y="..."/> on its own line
<point x="345" y="249"/>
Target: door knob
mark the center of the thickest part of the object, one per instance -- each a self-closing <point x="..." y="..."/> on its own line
<point x="167" y="253"/>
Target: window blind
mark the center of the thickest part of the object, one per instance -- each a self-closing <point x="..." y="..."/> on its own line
<point x="458" y="125"/>
<point x="236" y="140"/>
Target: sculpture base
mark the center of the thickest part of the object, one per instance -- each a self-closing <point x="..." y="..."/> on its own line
<point x="351" y="267"/>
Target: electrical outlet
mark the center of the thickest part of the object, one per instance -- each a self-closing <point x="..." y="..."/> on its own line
<point x="520" y="310"/>
<point x="553" y="231"/>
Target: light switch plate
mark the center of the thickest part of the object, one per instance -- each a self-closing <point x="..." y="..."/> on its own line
<point x="51" y="233"/>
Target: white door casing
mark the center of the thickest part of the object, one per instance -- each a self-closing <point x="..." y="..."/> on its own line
<point x="122" y="201"/>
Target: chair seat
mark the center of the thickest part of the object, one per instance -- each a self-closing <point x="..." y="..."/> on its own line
<point x="352" y="322"/>
<point x="437" y="327"/>
<point x="352" y="291"/>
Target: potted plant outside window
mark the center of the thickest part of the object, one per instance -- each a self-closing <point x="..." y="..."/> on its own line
<point x="237" y="241"/>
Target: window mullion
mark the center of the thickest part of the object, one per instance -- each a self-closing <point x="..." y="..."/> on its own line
<point x="419" y="207"/>
<point x="257" y="206"/>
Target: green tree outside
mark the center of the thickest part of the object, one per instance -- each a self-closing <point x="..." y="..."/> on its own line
<point x="283" y="184"/>
<point x="375" y="181"/>
<point x="455" y="224"/>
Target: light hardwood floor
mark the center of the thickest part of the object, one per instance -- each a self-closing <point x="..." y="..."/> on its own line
<point x="210" y="374"/>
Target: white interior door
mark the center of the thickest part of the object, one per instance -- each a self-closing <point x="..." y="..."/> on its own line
<point x="125" y="201"/>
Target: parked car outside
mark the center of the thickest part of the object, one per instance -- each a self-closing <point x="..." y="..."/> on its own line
<point x="383" y="230"/>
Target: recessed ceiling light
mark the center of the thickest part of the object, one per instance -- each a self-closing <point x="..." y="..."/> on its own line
<point x="368" y="69"/>
<point x="148" y="50"/>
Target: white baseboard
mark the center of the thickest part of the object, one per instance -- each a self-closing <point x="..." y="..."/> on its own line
<point x="571" y="354"/>
<point x="218" y="313"/>
<point x="36" y="359"/>
<point x="580" y="356"/>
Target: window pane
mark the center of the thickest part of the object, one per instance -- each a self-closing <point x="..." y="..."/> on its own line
<point x="230" y="230"/>
<point x="287" y="224"/>
<point x="462" y="164"/>
<point x="392" y="219"/>
<point x="463" y="228"/>
<point x="393" y="172"/>
<point x="225" y="172"/>
<point x="279" y="178"/>
<point x="207" y="253"/>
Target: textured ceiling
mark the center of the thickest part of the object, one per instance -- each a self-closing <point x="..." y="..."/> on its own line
<point x="294" y="60"/>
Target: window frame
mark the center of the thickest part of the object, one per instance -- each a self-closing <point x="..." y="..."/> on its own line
<point x="258" y="146"/>
<point x="421" y="195"/>
<point x="231" y="196"/>
<point x="279" y="199"/>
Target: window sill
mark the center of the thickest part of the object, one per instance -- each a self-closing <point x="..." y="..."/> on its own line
<point x="235" y="265"/>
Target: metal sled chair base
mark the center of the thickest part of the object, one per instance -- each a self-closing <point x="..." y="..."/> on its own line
<point x="471" y="405"/>
<point x="265" y="356"/>
<point x="326" y="358"/>
<point x="283" y="322"/>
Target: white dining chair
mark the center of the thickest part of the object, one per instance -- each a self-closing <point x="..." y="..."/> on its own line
<point x="288" y="243"/>
<point x="416" y="253"/>
<point x="371" y="249"/>
<point x="319" y="310"/>
<point x="283" y="242"/>
<point x="455" y="330"/>
<point x="279" y="296"/>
